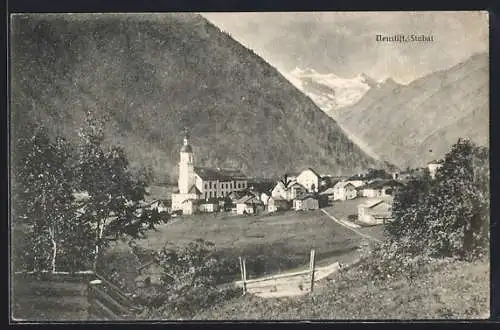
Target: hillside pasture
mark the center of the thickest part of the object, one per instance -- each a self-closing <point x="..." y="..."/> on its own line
<point x="453" y="290"/>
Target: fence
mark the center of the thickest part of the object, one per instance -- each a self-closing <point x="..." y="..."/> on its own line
<point x="286" y="284"/>
<point x="65" y="296"/>
<point x="47" y="296"/>
<point x="107" y="302"/>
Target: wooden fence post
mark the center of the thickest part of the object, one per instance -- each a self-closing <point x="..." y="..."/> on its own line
<point x="311" y="268"/>
<point x="243" y="270"/>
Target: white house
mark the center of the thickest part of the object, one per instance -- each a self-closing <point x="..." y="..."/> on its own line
<point x="309" y="179"/>
<point x="344" y="190"/>
<point x="160" y="206"/>
<point x="189" y="206"/>
<point x="305" y="202"/>
<point x="247" y="204"/>
<point x="277" y="204"/>
<point x="433" y="166"/>
<point x="375" y="212"/>
<point x="379" y="188"/>
<point x="208" y="207"/>
<point x="288" y="192"/>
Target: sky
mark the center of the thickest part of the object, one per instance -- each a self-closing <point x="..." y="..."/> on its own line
<point x="344" y="43"/>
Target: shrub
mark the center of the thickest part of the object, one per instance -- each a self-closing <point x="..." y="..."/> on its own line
<point x="189" y="279"/>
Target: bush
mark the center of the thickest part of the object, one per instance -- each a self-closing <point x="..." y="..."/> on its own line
<point x="189" y="279"/>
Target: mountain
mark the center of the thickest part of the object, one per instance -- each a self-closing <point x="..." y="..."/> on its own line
<point x="409" y="125"/>
<point x="153" y="75"/>
<point x="330" y="91"/>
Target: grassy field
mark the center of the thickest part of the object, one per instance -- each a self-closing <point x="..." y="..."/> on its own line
<point x="456" y="290"/>
<point x="342" y="209"/>
<point x="271" y="243"/>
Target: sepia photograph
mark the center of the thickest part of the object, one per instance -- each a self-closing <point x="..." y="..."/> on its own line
<point x="249" y="166"/>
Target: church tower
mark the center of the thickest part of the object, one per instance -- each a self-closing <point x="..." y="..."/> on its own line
<point x="186" y="166"/>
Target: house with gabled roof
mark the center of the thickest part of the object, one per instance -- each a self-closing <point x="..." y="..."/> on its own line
<point x="357" y="183"/>
<point x="289" y="191"/>
<point x="309" y="179"/>
<point x="248" y="204"/>
<point x="276" y="203"/>
<point x="189" y="206"/>
<point x="306" y="202"/>
<point x="374" y="212"/>
<point x="433" y="167"/>
<point x="344" y="190"/>
<point x="379" y="188"/>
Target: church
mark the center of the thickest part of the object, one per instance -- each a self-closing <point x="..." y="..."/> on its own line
<point x="197" y="184"/>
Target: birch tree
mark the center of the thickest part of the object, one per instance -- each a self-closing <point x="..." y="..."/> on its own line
<point x="42" y="198"/>
<point x="115" y="207"/>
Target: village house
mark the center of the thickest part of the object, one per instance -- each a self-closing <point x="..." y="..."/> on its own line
<point x="309" y="179"/>
<point x="277" y="204"/>
<point x="208" y="206"/>
<point x="149" y="274"/>
<point x="344" y="190"/>
<point x="379" y="188"/>
<point x="189" y="206"/>
<point x="305" y="202"/>
<point x="288" y="192"/>
<point x="433" y="166"/>
<point x="161" y="206"/>
<point x="261" y="188"/>
<point x="357" y="183"/>
<point x="202" y="182"/>
<point x="248" y="204"/>
<point x="375" y="212"/>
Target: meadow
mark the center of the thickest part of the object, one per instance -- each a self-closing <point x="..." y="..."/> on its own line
<point x="270" y="243"/>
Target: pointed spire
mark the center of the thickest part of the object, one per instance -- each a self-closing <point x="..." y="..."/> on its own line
<point x="186" y="136"/>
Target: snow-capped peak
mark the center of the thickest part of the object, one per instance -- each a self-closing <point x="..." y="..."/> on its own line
<point x="328" y="90"/>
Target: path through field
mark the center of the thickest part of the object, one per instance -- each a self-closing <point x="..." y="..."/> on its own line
<point x="299" y="283"/>
<point x="350" y="226"/>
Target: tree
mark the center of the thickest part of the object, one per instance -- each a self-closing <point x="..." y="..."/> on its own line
<point x="447" y="216"/>
<point x="116" y="206"/>
<point x="43" y="197"/>
<point x="406" y="207"/>
<point x="377" y="174"/>
<point x="145" y="174"/>
<point x="459" y="201"/>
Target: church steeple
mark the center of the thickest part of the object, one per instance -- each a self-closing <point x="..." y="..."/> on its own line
<point x="185" y="146"/>
<point x="186" y="166"/>
<point x="186" y="136"/>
